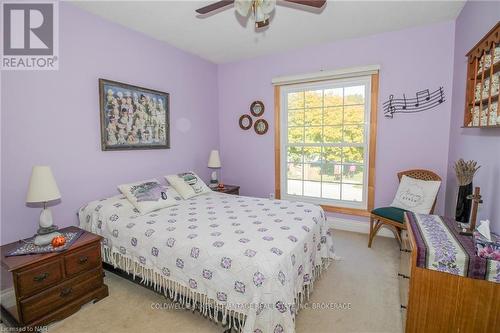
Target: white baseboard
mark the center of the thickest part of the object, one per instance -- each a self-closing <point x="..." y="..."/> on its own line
<point x="8" y="297"/>
<point x="355" y="226"/>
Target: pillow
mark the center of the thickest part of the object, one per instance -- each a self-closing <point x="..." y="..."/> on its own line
<point x="416" y="195"/>
<point x="149" y="195"/>
<point x="188" y="184"/>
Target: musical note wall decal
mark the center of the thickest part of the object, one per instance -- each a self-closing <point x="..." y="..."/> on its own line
<point x="424" y="100"/>
<point x="420" y="93"/>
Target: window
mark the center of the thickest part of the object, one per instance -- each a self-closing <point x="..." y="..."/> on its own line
<point x="324" y="135"/>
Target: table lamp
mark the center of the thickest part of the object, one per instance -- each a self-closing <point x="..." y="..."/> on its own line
<point x="214" y="163"/>
<point x="42" y="189"/>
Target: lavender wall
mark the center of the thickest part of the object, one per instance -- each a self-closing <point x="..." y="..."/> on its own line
<point x="52" y="118"/>
<point x="411" y="60"/>
<point x="482" y="145"/>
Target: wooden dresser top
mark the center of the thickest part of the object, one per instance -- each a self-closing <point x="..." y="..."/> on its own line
<point x="16" y="262"/>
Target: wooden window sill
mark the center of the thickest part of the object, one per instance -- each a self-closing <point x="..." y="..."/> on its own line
<point x="347" y="211"/>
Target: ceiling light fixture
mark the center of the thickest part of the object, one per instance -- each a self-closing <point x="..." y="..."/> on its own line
<point x="260" y="9"/>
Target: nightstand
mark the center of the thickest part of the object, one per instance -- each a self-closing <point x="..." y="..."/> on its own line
<point x="41" y="288"/>
<point x="228" y="189"/>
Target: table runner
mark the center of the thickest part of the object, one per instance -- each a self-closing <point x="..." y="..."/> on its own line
<point x="27" y="246"/>
<point x="440" y="247"/>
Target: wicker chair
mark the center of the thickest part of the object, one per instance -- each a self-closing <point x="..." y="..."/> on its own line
<point x="393" y="217"/>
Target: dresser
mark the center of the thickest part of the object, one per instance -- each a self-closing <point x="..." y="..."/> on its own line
<point x="435" y="300"/>
<point x="42" y="288"/>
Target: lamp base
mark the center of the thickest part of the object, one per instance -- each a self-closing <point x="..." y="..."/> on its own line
<point x="213" y="177"/>
<point x="43" y="231"/>
<point x="47" y="230"/>
<point x="45" y="239"/>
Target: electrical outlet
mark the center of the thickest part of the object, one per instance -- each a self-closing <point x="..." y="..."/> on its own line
<point x="271" y="196"/>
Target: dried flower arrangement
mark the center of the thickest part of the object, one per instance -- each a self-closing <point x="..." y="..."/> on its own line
<point x="465" y="171"/>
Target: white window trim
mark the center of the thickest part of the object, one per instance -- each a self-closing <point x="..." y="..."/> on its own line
<point x="364" y="79"/>
<point x="323" y="75"/>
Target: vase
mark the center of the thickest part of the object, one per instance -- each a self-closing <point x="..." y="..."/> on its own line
<point x="462" y="212"/>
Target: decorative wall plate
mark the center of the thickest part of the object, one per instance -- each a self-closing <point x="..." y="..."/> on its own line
<point x="261" y="126"/>
<point x="257" y="108"/>
<point x="245" y="122"/>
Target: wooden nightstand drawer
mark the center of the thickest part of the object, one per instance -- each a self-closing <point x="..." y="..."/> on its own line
<point x="83" y="260"/>
<point x="50" y="300"/>
<point x="38" y="278"/>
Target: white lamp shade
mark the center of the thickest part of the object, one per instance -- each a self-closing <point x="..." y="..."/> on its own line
<point x="243" y="7"/>
<point x="42" y="187"/>
<point x="267" y="6"/>
<point x="214" y="159"/>
<point x="259" y="15"/>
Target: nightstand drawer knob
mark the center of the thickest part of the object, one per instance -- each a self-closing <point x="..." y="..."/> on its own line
<point x="40" y="277"/>
<point x="83" y="260"/>
<point x="65" y="292"/>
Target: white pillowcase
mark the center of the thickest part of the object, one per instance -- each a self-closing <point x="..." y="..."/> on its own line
<point x="149" y="195"/>
<point x="188" y="184"/>
<point x="416" y="195"/>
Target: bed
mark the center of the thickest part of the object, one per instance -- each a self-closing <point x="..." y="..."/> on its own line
<point x="244" y="258"/>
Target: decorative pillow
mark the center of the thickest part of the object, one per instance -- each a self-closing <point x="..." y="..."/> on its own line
<point x="149" y="195"/>
<point x="416" y="195"/>
<point x="188" y="184"/>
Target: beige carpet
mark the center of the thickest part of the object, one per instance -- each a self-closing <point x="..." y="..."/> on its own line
<point x="365" y="278"/>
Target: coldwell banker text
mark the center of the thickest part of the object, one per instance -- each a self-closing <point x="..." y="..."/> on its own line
<point x="30" y="36"/>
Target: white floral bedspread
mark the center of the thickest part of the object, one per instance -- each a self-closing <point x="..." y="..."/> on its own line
<point x="255" y="255"/>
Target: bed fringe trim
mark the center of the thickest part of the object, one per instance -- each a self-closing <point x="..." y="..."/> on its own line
<point x="192" y="300"/>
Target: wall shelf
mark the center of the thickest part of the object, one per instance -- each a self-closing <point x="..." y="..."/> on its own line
<point x="487" y="72"/>
<point x="485" y="101"/>
<point x="482" y="86"/>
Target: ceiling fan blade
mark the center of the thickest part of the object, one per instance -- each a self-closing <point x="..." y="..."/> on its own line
<point x="214" y="6"/>
<point x="310" y="3"/>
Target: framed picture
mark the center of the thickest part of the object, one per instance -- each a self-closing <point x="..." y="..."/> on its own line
<point x="133" y="117"/>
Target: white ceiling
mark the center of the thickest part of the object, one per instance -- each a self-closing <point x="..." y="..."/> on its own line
<point x="226" y="37"/>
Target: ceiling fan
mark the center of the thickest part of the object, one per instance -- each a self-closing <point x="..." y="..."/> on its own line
<point x="260" y="9"/>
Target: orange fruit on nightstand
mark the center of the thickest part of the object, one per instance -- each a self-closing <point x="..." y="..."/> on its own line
<point x="58" y="241"/>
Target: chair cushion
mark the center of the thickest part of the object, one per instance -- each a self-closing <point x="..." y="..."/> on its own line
<point x="391" y="213"/>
